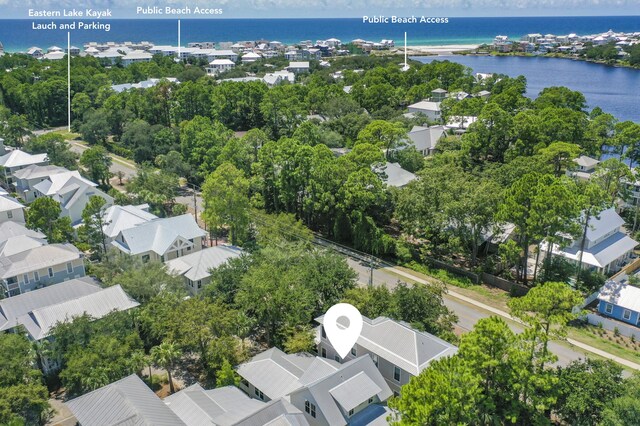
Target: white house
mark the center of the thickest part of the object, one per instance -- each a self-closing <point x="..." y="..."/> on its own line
<point x="16" y="160"/>
<point x="161" y="239"/>
<point x="429" y="109"/>
<point x="460" y="124"/>
<point x="117" y="218"/>
<point x="607" y="247"/>
<point x="136" y="56"/>
<point x="425" y="139"/>
<point x="584" y="167"/>
<point x="72" y="192"/>
<point x="218" y="66"/>
<point x="40" y="266"/>
<point x="250" y="57"/>
<point x="25" y="179"/>
<point x="298" y="67"/>
<point x="11" y="209"/>
<point x="196" y="267"/>
<point x="398" y="351"/>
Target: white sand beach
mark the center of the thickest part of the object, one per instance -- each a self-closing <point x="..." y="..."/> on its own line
<point x="436" y="50"/>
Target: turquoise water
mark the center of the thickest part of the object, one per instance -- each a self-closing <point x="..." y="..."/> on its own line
<point x="613" y="89"/>
<point x="17" y="35"/>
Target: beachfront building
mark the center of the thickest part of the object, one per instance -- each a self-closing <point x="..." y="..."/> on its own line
<point x="161" y="239"/>
<point x="136" y="56"/>
<point x="11" y="209"/>
<point x="431" y="110"/>
<point x="398" y="351"/>
<point x="218" y="66"/>
<point x="195" y="268"/>
<point x="425" y="138"/>
<point x="607" y="248"/>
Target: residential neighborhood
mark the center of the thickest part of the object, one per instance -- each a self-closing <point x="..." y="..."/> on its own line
<point x="330" y="232"/>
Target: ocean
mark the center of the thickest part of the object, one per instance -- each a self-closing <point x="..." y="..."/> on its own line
<point x="17" y="35"/>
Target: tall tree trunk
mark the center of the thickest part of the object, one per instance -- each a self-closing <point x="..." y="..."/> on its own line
<point x="535" y="268"/>
<point x="171" y="388"/>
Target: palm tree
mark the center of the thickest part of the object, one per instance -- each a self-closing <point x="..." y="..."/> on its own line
<point x="165" y="355"/>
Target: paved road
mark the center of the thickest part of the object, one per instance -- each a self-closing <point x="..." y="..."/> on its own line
<point x="469" y="312"/>
<point x="118" y="164"/>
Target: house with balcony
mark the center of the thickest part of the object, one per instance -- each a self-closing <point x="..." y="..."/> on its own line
<point x="195" y="268"/>
<point x="39" y="266"/>
<point x="607" y="247"/>
<point x="218" y="66"/>
<point x="620" y="301"/>
<point x="298" y="67"/>
<point x="398" y="351"/>
<point x="13" y="160"/>
<point x="161" y="239"/>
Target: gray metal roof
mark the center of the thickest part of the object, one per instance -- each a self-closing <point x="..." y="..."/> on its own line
<point x="20" y="243"/>
<point x="40" y="321"/>
<point x="607" y="221"/>
<point x="277" y="374"/>
<point x="222" y="406"/>
<point x="196" y="266"/>
<point x="37" y="258"/>
<point x="126" y="402"/>
<point x="9" y="203"/>
<point x="13" y="229"/>
<point x="426" y="138"/>
<point x="37" y="171"/>
<point x="15" y="307"/>
<point x="353" y="391"/>
<point x="396" y="176"/>
<point x="623" y="295"/>
<point x="275" y="413"/>
<point x="17" y="158"/>
<point x="118" y="218"/>
<point x="321" y="390"/>
<point x="402" y="345"/>
<point x="157" y="235"/>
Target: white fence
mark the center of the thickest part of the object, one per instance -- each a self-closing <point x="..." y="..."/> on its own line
<point x="608" y="324"/>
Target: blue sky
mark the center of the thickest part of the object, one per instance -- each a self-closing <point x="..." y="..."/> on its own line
<point x="347" y="8"/>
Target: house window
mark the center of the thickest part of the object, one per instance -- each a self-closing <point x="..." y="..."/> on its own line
<point x="69" y="268"/>
<point x="244" y="382"/>
<point x="396" y="373"/>
<point x="324" y="334"/>
<point x="324" y="353"/>
<point x="145" y="258"/>
<point x="350" y="413"/>
<point x="354" y="352"/>
<point x="36" y="276"/>
<point x="375" y="359"/>
<point x="370" y="401"/>
<point x="608" y="308"/>
<point x="10" y="214"/>
<point x="626" y="314"/>
<point x="50" y="272"/>
<point x="162" y="258"/>
<point x="199" y="283"/>
<point x="337" y="358"/>
<point x="259" y="394"/>
<point x="310" y="408"/>
<point x="25" y="277"/>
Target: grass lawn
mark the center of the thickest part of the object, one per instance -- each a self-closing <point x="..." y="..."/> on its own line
<point x="619" y="346"/>
<point x="67" y="135"/>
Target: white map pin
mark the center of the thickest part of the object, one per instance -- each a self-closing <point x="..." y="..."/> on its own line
<point x="342" y="338"/>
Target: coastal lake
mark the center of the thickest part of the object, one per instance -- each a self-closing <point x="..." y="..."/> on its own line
<point x="615" y="90"/>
